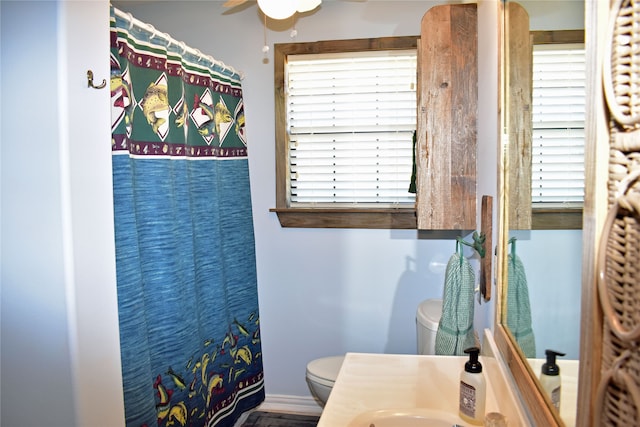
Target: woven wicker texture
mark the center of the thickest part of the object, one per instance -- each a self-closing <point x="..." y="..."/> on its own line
<point x="618" y="396"/>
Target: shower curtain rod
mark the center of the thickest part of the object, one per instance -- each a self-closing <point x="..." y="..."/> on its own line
<point x="134" y="21"/>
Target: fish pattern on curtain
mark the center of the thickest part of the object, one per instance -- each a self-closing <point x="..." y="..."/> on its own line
<point x="185" y="252"/>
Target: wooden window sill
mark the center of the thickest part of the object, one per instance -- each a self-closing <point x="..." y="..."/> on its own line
<point x="556" y="219"/>
<point x="374" y="218"/>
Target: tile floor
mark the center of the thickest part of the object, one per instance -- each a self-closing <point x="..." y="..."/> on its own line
<point x="279" y="419"/>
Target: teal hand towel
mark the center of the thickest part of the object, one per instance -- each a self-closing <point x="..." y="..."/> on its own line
<point x="519" y="307"/>
<point x="455" y="331"/>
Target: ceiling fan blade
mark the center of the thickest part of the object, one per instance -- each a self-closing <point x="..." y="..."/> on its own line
<point x="233" y="3"/>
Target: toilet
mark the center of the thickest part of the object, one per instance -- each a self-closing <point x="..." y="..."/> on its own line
<point x="322" y="372"/>
<point x="427" y="320"/>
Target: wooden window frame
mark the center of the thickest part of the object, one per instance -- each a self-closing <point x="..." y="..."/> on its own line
<point x="556" y="218"/>
<point x="328" y="217"/>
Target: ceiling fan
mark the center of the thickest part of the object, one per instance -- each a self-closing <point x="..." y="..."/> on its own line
<point x="278" y="9"/>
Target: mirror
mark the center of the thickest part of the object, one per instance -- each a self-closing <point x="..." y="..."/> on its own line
<point x="551" y="257"/>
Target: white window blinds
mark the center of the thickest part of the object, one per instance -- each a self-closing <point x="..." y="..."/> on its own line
<point x="558" y="124"/>
<point x="350" y="120"/>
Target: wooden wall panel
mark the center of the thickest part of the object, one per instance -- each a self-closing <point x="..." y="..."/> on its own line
<point x="447" y="111"/>
<point x="519" y="103"/>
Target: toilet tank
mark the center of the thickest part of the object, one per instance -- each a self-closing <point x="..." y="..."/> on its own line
<point x="427" y="320"/>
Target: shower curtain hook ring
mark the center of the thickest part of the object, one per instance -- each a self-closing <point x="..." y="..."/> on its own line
<point x="153" y="31"/>
<point x="169" y="39"/>
<point x="201" y="56"/>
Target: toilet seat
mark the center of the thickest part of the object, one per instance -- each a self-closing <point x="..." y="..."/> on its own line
<point x="429" y="313"/>
<point x="427" y="322"/>
<point x="325" y="370"/>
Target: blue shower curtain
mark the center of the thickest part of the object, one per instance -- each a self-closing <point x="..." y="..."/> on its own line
<point x="185" y="254"/>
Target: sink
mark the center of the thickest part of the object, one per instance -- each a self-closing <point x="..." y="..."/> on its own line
<point x="397" y="390"/>
<point x="417" y="417"/>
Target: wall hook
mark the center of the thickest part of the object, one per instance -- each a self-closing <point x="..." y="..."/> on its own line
<point x="478" y="243"/>
<point x="90" y="81"/>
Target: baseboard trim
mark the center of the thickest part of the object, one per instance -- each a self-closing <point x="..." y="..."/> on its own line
<point x="290" y="404"/>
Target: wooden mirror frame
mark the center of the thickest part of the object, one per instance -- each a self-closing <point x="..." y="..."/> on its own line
<point x="595" y="210"/>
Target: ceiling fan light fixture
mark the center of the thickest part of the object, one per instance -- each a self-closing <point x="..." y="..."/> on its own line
<point x="308" y="5"/>
<point x="278" y="9"/>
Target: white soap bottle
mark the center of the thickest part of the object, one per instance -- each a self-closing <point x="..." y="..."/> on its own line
<point x="550" y="377"/>
<point x="472" y="389"/>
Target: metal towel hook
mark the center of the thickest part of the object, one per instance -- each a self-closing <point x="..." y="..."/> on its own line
<point x="478" y="243"/>
<point x="90" y="81"/>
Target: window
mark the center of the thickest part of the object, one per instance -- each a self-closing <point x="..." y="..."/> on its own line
<point x="350" y="120"/>
<point x="558" y="129"/>
<point x="558" y="124"/>
<point x="345" y="119"/>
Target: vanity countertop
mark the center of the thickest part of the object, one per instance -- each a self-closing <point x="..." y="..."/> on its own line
<point x="569" y="391"/>
<point x="369" y="382"/>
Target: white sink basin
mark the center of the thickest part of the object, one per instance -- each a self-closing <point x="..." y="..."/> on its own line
<point x="404" y="418"/>
<point x="408" y="389"/>
<point x="395" y="390"/>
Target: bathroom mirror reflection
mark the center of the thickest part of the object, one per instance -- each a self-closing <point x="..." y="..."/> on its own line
<point x="544" y="240"/>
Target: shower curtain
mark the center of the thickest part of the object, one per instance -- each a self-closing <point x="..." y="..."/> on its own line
<point x="185" y="254"/>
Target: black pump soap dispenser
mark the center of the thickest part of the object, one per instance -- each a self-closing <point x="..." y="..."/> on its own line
<point x="472" y="389"/>
<point x="550" y="377"/>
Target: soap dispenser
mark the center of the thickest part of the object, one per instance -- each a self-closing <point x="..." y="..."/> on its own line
<point x="472" y="389"/>
<point x="550" y="377"/>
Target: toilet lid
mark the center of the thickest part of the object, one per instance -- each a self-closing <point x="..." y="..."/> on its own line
<point x="429" y="313"/>
<point x="325" y="368"/>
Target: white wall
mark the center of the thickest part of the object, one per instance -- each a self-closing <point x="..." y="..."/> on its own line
<point x="36" y="361"/>
<point x="85" y="142"/>
<point x="554" y="14"/>
<point x="553" y="262"/>
<point x="328" y="291"/>
<point x="60" y="350"/>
